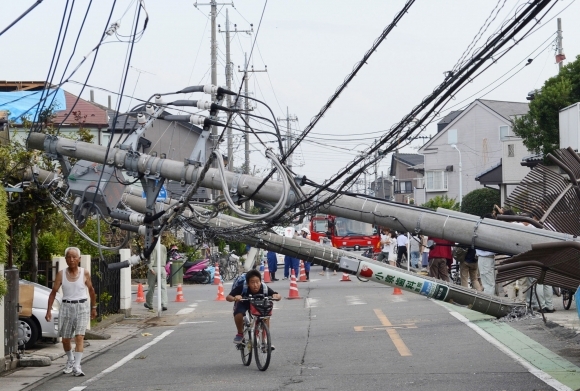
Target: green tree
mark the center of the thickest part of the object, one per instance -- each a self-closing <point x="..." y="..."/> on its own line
<point x="539" y="128"/>
<point x="480" y="202"/>
<point x="441" y="202"/>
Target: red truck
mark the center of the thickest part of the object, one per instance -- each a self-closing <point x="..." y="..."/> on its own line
<point x="344" y="233"/>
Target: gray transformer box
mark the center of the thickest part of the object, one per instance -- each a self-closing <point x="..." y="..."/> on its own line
<point x="83" y="181"/>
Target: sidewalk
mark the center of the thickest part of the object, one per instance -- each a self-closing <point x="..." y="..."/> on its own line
<point x="117" y="326"/>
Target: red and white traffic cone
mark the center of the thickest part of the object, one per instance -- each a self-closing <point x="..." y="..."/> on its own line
<point x="140" y="295"/>
<point x="217" y="278"/>
<point x="179" y="298"/>
<point x="302" y="276"/>
<point x="293" y="294"/>
<point x="220" y="295"/>
<point x="345" y="277"/>
<point x="397" y="291"/>
<point x="266" y="277"/>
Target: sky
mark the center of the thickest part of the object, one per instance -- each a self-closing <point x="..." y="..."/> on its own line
<point x="308" y="46"/>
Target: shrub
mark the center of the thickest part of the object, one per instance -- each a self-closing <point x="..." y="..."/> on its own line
<point x="480" y="202"/>
<point x="441" y="202"/>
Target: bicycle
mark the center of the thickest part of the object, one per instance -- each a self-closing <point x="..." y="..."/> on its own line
<point x="567" y="296"/>
<point x="229" y="267"/>
<point x="256" y="332"/>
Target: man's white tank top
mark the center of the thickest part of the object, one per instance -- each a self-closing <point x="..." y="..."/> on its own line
<point x="76" y="290"/>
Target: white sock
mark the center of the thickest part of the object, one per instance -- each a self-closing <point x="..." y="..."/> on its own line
<point x="78" y="356"/>
<point x="70" y="356"/>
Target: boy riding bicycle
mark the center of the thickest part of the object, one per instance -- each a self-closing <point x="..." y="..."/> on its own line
<point x="254" y="287"/>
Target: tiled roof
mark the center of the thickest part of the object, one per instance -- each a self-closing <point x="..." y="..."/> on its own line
<point x="95" y="115"/>
<point x="506" y="109"/>
<point x="411" y="159"/>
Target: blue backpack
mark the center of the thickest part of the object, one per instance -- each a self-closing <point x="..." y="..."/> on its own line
<point x="241" y="280"/>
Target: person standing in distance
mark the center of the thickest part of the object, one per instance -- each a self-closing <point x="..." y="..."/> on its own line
<point x="74" y="312"/>
<point x="402" y="242"/>
<point x="152" y="278"/>
<point x="386" y="242"/>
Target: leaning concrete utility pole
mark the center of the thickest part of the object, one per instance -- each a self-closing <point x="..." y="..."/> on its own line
<point x="345" y="261"/>
<point x="490" y="234"/>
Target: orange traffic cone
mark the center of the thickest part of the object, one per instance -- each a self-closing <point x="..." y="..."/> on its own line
<point x="140" y="295"/>
<point x="345" y="277"/>
<point x="302" y="276"/>
<point x="220" y="295"/>
<point x="179" y="298"/>
<point x="293" y="288"/>
<point x="397" y="291"/>
<point x="217" y="279"/>
<point x="266" y="277"/>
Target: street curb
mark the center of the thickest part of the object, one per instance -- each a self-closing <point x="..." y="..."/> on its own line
<point x="85" y="359"/>
<point x="114" y="318"/>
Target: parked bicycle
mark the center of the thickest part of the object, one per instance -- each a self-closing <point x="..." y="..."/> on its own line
<point x="567" y="297"/>
<point x="228" y="264"/>
<point x="256" y="332"/>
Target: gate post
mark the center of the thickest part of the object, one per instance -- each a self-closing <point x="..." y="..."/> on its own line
<point x="125" y="305"/>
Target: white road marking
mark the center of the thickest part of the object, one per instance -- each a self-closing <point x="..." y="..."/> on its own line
<point x="193" y="305"/>
<point x="201" y="300"/>
<point x="314" y="279"/>
<point x="398" y="300"/>
<point x="354" y="300"/>
<point x="121" y="362"/>
<point x="311" y="302"/>
<point x="543" y="376"/>
<point x="201" y="321"/>
<point x="185" y="311"/>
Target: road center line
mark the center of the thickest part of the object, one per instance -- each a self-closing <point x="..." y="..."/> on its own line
<point x="393" y="334"/>
<point x="543" y="376"/>
<point x="121" y="362"/>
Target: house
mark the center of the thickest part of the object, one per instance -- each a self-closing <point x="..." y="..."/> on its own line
<point x="405" y="181"/>
<point x="479" y="145"/>
<point x="382" y="187"/>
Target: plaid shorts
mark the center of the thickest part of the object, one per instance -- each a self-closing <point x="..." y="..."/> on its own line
<point x="73" y="319"/>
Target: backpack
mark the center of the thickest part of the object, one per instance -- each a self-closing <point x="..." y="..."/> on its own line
<point x="241" y="280"/>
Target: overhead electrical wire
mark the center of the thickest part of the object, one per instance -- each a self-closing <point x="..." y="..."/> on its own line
<point x="33" y="6"/>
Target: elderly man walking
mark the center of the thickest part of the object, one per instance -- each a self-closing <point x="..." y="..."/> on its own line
<point x="74" y="312"/>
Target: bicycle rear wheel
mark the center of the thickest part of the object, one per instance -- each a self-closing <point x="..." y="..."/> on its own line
<point x="246" y="346"/>
<point x="566" y="298"/>
<point x="262" y="345"/>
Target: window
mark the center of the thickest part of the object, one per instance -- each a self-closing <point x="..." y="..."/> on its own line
<point x="403" y="187"/>
<point x="511" y="150"/>
<point x="505" y="132"/>
<point x="452" y="136"/>
<point x="436" y="180"/>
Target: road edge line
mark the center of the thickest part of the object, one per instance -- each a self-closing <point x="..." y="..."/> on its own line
<point x="543" y="376"/>
<point x="123" y="361"/>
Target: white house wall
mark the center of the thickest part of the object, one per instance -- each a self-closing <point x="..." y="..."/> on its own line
<point x="479" y="142"/>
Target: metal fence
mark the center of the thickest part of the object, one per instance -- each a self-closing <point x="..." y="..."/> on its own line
<point x="107" y="284"/>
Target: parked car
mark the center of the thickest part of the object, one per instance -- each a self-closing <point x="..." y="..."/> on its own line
<point x="31" y="329"/>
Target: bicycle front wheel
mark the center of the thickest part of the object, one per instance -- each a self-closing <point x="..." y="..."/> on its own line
<point x="246" y="347"/>
<point x="262" y="345"/>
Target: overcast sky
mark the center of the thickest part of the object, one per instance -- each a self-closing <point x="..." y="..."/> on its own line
<point x="308" y="46"/>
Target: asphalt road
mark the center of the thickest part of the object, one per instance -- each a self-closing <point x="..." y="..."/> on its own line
<point x="340" y="336"/>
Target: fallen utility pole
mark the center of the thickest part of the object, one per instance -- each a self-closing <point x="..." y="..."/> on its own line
<point x="350" y="263"/>
<point x="330" y="257"/>
<point x="498" y="236"/>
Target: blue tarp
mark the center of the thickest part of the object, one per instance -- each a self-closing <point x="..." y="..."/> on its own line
<point x="26" y="103"/>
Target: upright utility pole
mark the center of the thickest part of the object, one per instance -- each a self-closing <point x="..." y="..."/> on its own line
<point x="229" y="98"/>
<point x="213" y="16"/>
<point x="560" y="56"/>
<point x="288" y="119"/>
<point x="229" y="77"/>
<point x="248" y="109"/>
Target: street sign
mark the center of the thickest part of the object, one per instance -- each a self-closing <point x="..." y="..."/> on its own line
<point x="162" y="196"/>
